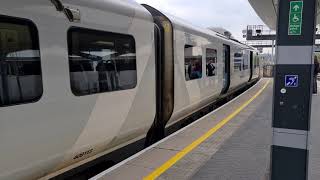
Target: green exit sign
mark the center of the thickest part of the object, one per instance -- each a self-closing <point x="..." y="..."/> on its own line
<point x="295" y="18"/>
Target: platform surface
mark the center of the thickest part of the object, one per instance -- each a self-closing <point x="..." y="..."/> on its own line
<point x="245" y="155"/>
<point x="314" y="140"/>
<point x="237" y="149"/>
<point x="181" y="155"/>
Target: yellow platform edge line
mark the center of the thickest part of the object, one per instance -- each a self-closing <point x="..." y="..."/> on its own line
<point x="164" y="167"/>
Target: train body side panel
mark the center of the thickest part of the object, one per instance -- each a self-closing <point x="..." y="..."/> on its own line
<point x="38" y="138"/>
<point x="191" y="95"/>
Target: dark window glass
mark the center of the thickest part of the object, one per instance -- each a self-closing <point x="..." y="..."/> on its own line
<point x="101" y="61"/>
<point x="245" y="61"/>
<point x="256" y="61"/>
<point x="20" y="69"/>
<point x="193" y="62"/>
<point x="211" y="62"/>
<point x="238" y="58"/>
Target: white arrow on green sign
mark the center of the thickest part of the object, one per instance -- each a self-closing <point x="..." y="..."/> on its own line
<point x="295" y="18"/>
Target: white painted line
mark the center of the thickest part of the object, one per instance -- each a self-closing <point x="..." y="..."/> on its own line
<point x="100" y="175"/>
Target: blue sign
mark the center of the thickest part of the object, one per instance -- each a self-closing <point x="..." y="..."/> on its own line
<point x="292" y="80"/>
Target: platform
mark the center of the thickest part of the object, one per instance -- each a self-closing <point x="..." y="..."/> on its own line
<point x="246" y="154"/>
<point x="233" y="142"/>
<point x="181" y="155"/>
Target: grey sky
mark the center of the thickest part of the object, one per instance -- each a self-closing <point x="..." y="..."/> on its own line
<point x="234" y="15"/>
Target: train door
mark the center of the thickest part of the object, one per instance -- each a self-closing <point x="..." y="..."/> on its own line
<point x="226" y="72"/>
<point x="251" y="65"/>
<point x="157" y="131"/>
<point x="164" y="75"/>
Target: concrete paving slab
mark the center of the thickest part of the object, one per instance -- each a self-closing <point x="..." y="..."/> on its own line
<point x="127" y="172"/>
<point x="153" y="158"/>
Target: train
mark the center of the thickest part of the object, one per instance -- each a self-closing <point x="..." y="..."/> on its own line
<point x="82" y="79"/>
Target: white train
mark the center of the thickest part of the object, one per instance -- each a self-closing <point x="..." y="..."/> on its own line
<point x="80" y="80"/>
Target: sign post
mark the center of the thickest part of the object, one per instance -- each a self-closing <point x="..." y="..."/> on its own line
<point x="292" y="89"/>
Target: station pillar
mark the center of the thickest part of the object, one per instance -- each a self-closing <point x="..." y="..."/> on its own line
<point x="293" y="89"/>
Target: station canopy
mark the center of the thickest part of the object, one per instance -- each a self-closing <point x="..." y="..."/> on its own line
<point x="267" y="11"/>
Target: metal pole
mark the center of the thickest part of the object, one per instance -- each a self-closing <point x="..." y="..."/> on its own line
<point x="292" y="89"/>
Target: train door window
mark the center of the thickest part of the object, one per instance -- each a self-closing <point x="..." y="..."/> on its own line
<point x="20" y="69"/>
<point x="193" y="62"/>
<point x="246" y="57"/>
<point x="211" y="62"/>
<point x="238" y="59"/>
<point x="256" y="61"/>
<point x="101" y="61"/>
<point x="226" y="59"/>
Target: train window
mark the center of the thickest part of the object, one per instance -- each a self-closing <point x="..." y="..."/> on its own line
<point x="193" y="62"/>
<point x="256" y="61"/>
<point x="101" y="61"/>
<point x="211" y="62"/>
<point x="245" y="64"/>
<point x="238" y="59"/>
<point x="20" y="69"/>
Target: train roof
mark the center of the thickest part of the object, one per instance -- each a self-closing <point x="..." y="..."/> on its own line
<point x="190" y="28"/>
<point x="183" y="25"/>
<point x="131" y="8"/>
<point x="128" y="8"/>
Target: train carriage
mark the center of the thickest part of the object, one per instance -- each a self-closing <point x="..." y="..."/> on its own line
<point x="81" y="80"/>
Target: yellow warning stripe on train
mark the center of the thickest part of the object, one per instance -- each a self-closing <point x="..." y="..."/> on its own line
<point x="164" y="167"/>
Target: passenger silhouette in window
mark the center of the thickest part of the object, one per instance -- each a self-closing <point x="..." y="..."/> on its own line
<point x="194" y="70"/>
<point x="112" y="75"/>
<point x="108" y="79"/>
<point x="193" y="63"/>
<point x="210" y="68"/>
<point x="102" y="75"/>
<point x="211" y="60"/>
<point x="198" y="69"/>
